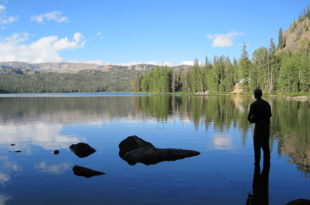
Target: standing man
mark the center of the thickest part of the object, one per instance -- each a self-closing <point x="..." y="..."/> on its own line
<point x="260" y="113"/>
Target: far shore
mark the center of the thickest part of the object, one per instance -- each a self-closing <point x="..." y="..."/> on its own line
<point x="288" y="96"/>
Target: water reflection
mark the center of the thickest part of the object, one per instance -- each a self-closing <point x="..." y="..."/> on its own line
<point x="6" y="168"/>
<point x="260" y="186"/>
<point x="52" y="169"/>
<point x="135" y="150"/>
<point x="64" y="110"/>
<point x="47" y="136"/>
<point x="82" y="149"/>
<point x="40" y="121"/>
<point x="4" y="198"/>
<point x="222" y="141"/>
<point x="299" y="202"/>
<point x="85" y="172"/>
<point x="38" y="126"/>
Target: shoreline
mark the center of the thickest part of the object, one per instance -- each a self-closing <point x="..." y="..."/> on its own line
<point x="289" y="96"/>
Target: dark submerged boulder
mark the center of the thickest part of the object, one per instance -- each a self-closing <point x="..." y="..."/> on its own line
<point x="85" y="172"/>
<point x="299" y="202"/>
<point x="56" y="152"/>
<point x="134" y="149"/>
<point x="82" y="149"/>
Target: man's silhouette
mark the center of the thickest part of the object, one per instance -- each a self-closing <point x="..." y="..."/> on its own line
<point x="260" y="113"/>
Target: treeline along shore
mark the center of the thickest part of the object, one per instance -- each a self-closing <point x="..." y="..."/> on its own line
<point x="281" y="68"/>
<point x="274" y="72"/>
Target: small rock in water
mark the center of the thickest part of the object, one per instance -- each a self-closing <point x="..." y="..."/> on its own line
<point x="56" y="151"/>
<point x="12" y="145"/>
<point x="17" y="151"/>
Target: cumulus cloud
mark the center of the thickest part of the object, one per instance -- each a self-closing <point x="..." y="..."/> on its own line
<point x="99" y="33"/>
<point x="4" y="18"/>
<point x="50" y="16"/>
<point x="43" y="135"/>
<point x="7" y="167"/>
<point x="223" y="40"/>
<point x="4" y="178"/>
<point x="96" y="62"/>
<point x="52" y="169"/>
<point x="143" y="62"/>
<point x="133" y="63"/>
<point x="222" y="142"/>
<point x="45" y="49"/>
<point x="187" y="63"/>
<point x="4" y="199"/>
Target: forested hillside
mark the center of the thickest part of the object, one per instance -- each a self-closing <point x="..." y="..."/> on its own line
<point x="281" y="68"/>
<point x="29" y="81"/>
<point x="18" y="77"/>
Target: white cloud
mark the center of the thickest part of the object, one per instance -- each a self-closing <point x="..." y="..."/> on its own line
<point x="222" y="142"/>
<point x="98" y="34"/>
<point x="52" y="169"/>
<point x="143" y="62"/>
<point x="50" y="16"/>
<point x="7" y="167"/>
<point x="100" y="62"/>
<point x="44" y="135"/>
<point x="96" y="62"/>
<point x="223" y="40"/>
<point x="4" y="178"/>
<point x="45" y="49"/>
<point x="4" y="199"/>
<point x="187" y="63"/>
<point x="4" y="18"/>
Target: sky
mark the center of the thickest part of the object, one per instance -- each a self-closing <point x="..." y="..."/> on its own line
<point x="139" y="31"/>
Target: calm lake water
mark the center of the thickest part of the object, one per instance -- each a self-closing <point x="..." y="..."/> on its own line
<point x="216" y="126"/>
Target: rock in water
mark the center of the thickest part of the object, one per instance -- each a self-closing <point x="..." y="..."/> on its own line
<point x="299" y="202"/>
<point x="56" y="152"/>
<point x="85" y="172"/>
<point x="134" y="149"/>
<point x="82" y="149"/>
<point x="131" y="143"/>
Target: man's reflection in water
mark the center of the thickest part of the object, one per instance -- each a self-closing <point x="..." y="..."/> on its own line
<point x="260" y="186"/>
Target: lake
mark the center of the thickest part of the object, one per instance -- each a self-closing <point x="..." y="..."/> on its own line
<point x="32" y="126"/>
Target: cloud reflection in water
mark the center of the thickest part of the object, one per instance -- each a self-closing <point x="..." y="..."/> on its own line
<point x="46" y="136"/>
<point x="52" y="169"/>
<point x="222" y="141"/>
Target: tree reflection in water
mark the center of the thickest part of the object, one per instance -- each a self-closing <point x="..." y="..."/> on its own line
<point x="289" y="123"/>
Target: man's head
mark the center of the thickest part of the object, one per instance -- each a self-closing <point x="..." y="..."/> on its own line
<point x="258" y="93"/>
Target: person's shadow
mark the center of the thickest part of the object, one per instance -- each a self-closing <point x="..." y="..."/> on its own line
<point x="260" y="186"/>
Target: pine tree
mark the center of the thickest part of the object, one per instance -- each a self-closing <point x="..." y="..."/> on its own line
<point x="137" y="83"/>
<point x="281" y="42"/>
<point x="245" y="66"/>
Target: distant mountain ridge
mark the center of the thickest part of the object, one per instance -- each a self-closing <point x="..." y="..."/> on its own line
<point x="75" y="67"/>
<point x="20" y="77"/>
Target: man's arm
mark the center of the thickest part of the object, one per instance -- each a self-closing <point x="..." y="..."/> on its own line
<point x="251" y="115"/>
<point x="269" y="111"/>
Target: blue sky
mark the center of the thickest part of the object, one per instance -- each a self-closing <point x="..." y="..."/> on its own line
<point x="124" y="31"/>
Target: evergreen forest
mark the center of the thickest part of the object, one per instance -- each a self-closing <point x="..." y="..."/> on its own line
<point x="276" y="69"/>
